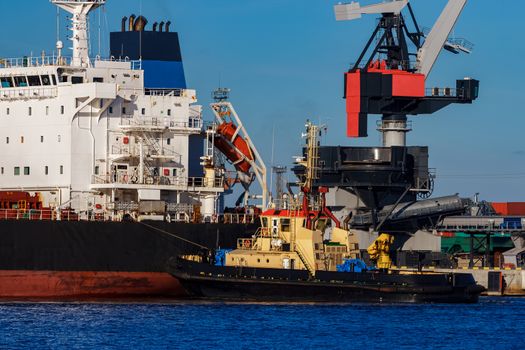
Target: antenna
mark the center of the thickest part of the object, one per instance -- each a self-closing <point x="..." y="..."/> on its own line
<point x="99" y="29"/>
<point x="79" y="9"/>
<point x="140" y="33"/>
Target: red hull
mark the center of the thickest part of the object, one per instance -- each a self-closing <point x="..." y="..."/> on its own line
<point x="86" y="285"/>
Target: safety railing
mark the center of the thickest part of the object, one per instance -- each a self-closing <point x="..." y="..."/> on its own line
<point x="443" y="92"/>
<point x="245" y="243"/>
<point x="228" y="218"/>
<point x="51" y="215"/>
<point x="161" y="122"/>
<point x="24" y="93"/>
<point x="175" y="181"/>
<point x="165" y="92"/>
<point x="148" y="151"/>
<point x="30" y="61"/>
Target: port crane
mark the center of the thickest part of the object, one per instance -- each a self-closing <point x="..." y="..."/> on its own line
<point x="390" y="81"/>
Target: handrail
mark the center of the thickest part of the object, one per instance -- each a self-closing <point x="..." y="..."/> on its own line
<point x="176" y="181"/>
<point x="163" y="122"/>
<point x="28" y="92"/>
<point x="39" y="61"/>
<point x="52" y="215"/>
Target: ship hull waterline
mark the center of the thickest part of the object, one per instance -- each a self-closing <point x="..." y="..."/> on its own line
<point x="59" y="260"/>
<point x="87" y="285"/>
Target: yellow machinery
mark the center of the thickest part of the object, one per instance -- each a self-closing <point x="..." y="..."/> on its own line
<point x="379" y="251"/>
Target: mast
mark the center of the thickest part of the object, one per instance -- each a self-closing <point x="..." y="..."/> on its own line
<point x="79" y="10"/>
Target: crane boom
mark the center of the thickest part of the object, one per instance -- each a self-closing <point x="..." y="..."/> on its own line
<point x="438" y="36"/>
<point x="353" y="10"/>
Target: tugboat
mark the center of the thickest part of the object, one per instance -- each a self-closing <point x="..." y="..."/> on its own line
<point x="302" y="253"/>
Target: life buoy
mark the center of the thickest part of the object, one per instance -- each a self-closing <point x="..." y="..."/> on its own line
<point x="247" y="243"/>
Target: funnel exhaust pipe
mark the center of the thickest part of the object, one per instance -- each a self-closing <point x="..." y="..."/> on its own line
<point x="124" y="20"/>
<point x="161" y="26"/>
<point x="155" y="26"/>
<point x="132" y="22"/>
<point x="168" y="24"/>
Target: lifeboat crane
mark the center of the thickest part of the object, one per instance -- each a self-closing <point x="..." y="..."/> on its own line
<point x="391" y="81"/>
<point x="232" y="139"/>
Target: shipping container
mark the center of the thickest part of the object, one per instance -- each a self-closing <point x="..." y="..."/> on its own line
<point x="509" y="208"/>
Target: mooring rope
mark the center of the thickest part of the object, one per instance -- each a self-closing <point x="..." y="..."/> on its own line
<point x="174" y="235"/>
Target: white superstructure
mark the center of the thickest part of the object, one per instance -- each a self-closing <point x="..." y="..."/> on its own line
<point x="87" y="135"/>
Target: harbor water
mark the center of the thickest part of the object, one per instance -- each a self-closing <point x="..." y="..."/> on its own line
<point x="493" y="323"/>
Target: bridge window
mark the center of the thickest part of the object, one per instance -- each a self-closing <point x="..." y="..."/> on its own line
<point x="174" y="172"/>
<point x="47" y="110"/>
<point x="77" y="80"/>
<point x="62" y="109"/>
<point x="7" y="111"/>
<point x="41" y="139"/>
<point x="61" y="170"/>
<point x="169" y="112"/>
<point x="6" y="82"/>
<point x="46" y="170"/>
<point x="30" y="111"/>
<point x="34" y="80"/>
<point x="7" y="139"/>
<point x="45" y="80"/>
<point x="54" y="78"/>
<point x="168" y="142"/>
<point x="285" y="225"/>
<point x="98" y="80"/>
<point x="27" y="170"/>
<point x="21" y="81"/>
<point x="2" y="171"/>
<point x="97" y="170"/>
<point x="17" y="171"/>
<point x="110" y="110"/>
<point x="143" y="111"/>
<point x="21" y="139"/>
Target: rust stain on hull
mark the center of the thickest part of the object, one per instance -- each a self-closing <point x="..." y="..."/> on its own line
<point x="87" y="284"/>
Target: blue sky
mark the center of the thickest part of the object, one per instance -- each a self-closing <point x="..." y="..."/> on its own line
<point x="284" y="61"/>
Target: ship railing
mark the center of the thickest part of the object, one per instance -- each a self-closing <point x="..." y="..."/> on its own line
<point x="245" y="243"/>
<point x="165" y="92"/>
<point x="162" y="122"/>
<point x="53" y="215"/>
<point x="175" y="181"/>
<point x="53" y="60"/>
<point x="24" y="93"/>
<point x="151" y="151"/>
<point x="234" y="218"/>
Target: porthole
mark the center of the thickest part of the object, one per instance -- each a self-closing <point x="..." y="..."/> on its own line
<point x="268" y="261"/>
